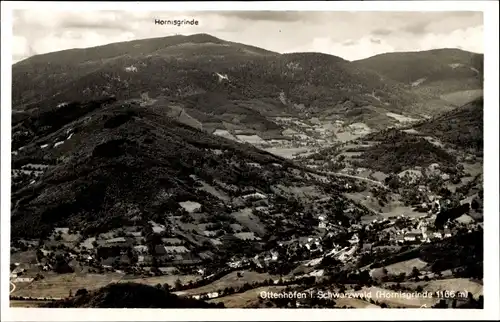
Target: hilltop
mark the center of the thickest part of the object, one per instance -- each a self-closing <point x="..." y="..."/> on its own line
<point x="226" y="76"/>
<point x="427" y="66"/>
<point x="444" y="78"/>
<point x="118" y="164"/>
<point x="462" y="127"/>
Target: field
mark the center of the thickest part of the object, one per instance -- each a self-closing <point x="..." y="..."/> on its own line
<point x="462" y="97"/>
<point x="288" y="153"/>
<point x="246" y="299"/>
<point x="401" y="267"/>
<point x="391" y="209"/>
<point x="27" y="304"/>
<point x="231" y="280"/>
<point x="401" y="118"/>
<point x="57" y="286"/>
<point x="169" y="279"/>
<point x="246" y="218"/>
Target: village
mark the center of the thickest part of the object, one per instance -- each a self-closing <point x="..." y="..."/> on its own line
<point x="157" y="251"/>
<point x="255" y="231"/>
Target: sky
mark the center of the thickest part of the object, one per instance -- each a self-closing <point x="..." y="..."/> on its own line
<point x="350" y="35"/>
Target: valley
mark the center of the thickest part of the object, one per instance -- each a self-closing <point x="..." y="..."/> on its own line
<point x="257" y="172"/>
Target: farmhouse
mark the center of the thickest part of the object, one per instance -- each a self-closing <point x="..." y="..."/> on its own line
<point x="412" y="235"/>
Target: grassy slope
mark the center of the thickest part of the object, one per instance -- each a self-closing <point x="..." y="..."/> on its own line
<point x="462" y="127"/>
<point x="434" y="65"/>
<point x="398" y="151"/>
<point x="184" y="66"/>
<point x="123" y="157"/>
<point x="129" y="295"/>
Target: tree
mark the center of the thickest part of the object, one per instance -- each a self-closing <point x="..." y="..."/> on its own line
<point x="39" y="254"/>
<point x="393" y="182"/>
<point x="61" y="266"/>
<point x="415" y="272"/>
<point x="178" y="284"/>
<point x="81" y="291"/>
<point x="475" y="204"/>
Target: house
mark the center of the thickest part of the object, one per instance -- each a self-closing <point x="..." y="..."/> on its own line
<point x="209" y="233"/>
<point x="437" y="234"/>
<point x="412" y="235"/>
<point x="212" y="295"/>
<point x="144" y="259"/>
<point x="345" y="255"/>
<point x="62" y="230"/>
<point x="109" y="261"/>
<point x="354" y="239"/>
<point x="447" y="233"/>
<point x="235" y="264"/>
<point x="263" y="209"/>
<point x="256" y="260"/>
<point x="304" y="241"/>
<point x="157" y="228"/>
<point x="400" y="239"/>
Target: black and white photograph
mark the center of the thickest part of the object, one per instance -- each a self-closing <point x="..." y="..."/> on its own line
<point x="328" y="159"/>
